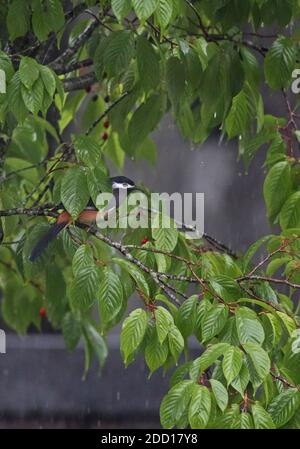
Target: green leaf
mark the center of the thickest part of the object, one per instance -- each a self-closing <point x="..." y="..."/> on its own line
<point x="74" y="190"/>
<point x="277" y="187"/>
<point x="71" y="327"/>
<point x="144" y="8"/>
<point x="249" y="328"/>
<point x="283" y="406"/>
<point x="200" y="406"/>
<point x="119" y="52"/>
<point x="83" y="290"/>
<point x="49" y="79"/>
<point x="175" y="79"/>
<point x="135" y="273"/>
<point x="96" y="342"/>
<point x="33" y="97"/>
<point x="87" y="150"/>
<point x="214" y="321"/>
<point x="241" y="381"/>
<point x="220" y="394"/>
<point x="18" y="19"/>
<point x="186" y="316"/>
<point x="29" y="71"/>
<point x="253" y="249"/>
<point x="175" y="403"/>
<point x="164" y="322"/>
<point x="163" y="13"/>
<point x="209" y="357"/>
<point x="180" y="373"/>
<point x="165" y="237"/>
<point x="260" y="359"/>
<point x="83" y="258"/>
<point x="226" y="287"/>
<point x="246" y="421"/>
<point x="239" y="115"/>
<point x="55" y="295"/>
<point x="110" y="295"/>
<point x="262" y="419"/>
<point x="133" y="331"/>
<point x="145" y="119"/>
<point x="290" y="212"/>
<point x="121" y="8"/>
<point x="279" y="63"/>
<point x="15" y="98"/>
<point x="176" y="342"/>
<point x="148" y="64"/>
<point x="156" y="353"/>
<point x="55" y="14"/>
<point x="232" y="363"/>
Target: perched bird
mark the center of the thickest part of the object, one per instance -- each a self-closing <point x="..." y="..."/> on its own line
<point x="121" y="187"/>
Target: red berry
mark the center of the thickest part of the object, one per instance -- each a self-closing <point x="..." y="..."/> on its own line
<point x="106" y="99"/>
<point x="104" y="136"/>
<point x="106" y="124"/>
<point x="42" y="312"/>
<point x="88" y="89"/>
<point x="144" y="241"/>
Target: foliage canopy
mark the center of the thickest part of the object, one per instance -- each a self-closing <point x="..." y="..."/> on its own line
<point x="115" y="68"/>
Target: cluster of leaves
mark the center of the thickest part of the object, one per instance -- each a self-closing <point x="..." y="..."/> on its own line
<point x="128" y="62"/>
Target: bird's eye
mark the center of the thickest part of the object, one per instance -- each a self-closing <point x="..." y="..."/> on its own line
<point x="125" y="185"/>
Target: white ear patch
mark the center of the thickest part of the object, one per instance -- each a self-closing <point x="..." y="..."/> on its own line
<point x="120" y="185"/>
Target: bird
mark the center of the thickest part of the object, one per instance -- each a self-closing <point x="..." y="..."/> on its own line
<point x="121" y="187"/>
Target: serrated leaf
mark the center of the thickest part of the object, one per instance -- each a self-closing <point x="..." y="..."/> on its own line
<point x="118" y="52"/>
<point x="97" y="342"/>
<point x="121" y="8"/>
<point x="83" y="258"/>
<point x="163" y="13"/>
<point x="15" y="99"/>
<point x="144" y="8"/>
<point x="18" y="19"/>
<point x="110" y="295"/>
<point x="241" y="381"/>
<point x="133" y="331"/>
<point x="290" y="212"/>
<point x="175" y="79"/>
<point x="186" y="316"/>
<point x="145" y="119"/>
<point x="87" y="150"/>
<point x="200" y="406"/>
<point x="237" y="120"/>
<point x="249" y="328"/>
<point x="148" y="64"/>
<point x="260" y="359"/>
<point x="135" y="273"/>
<point x="175" y="403"/>
<point x="283" y="406"/>
<point x="83" y="290"/>
<point x="209" y="357"/>
<point x="176" y="342"/>
<point x="71" y="328"/>
<point x="164" y="321"/>
<point x="156" y="353"/>
<point x="262" y="419"/>
<point x="277" y="187"/>
<point x="279" y="62"/>
<point x="232" y="363"/>
<point x="214" y="321"/>
<point x="74" y="190"/>
<point x="28" y="71"/>
<point x="33" y="97"/>
<point x="49" y="80"/>
<point x="220" y="394"/>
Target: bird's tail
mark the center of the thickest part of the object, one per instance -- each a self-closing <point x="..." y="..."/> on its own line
<point x="63" y="220"/>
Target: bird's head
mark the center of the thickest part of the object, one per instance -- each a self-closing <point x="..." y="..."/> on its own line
<point x="122" y="183"/>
